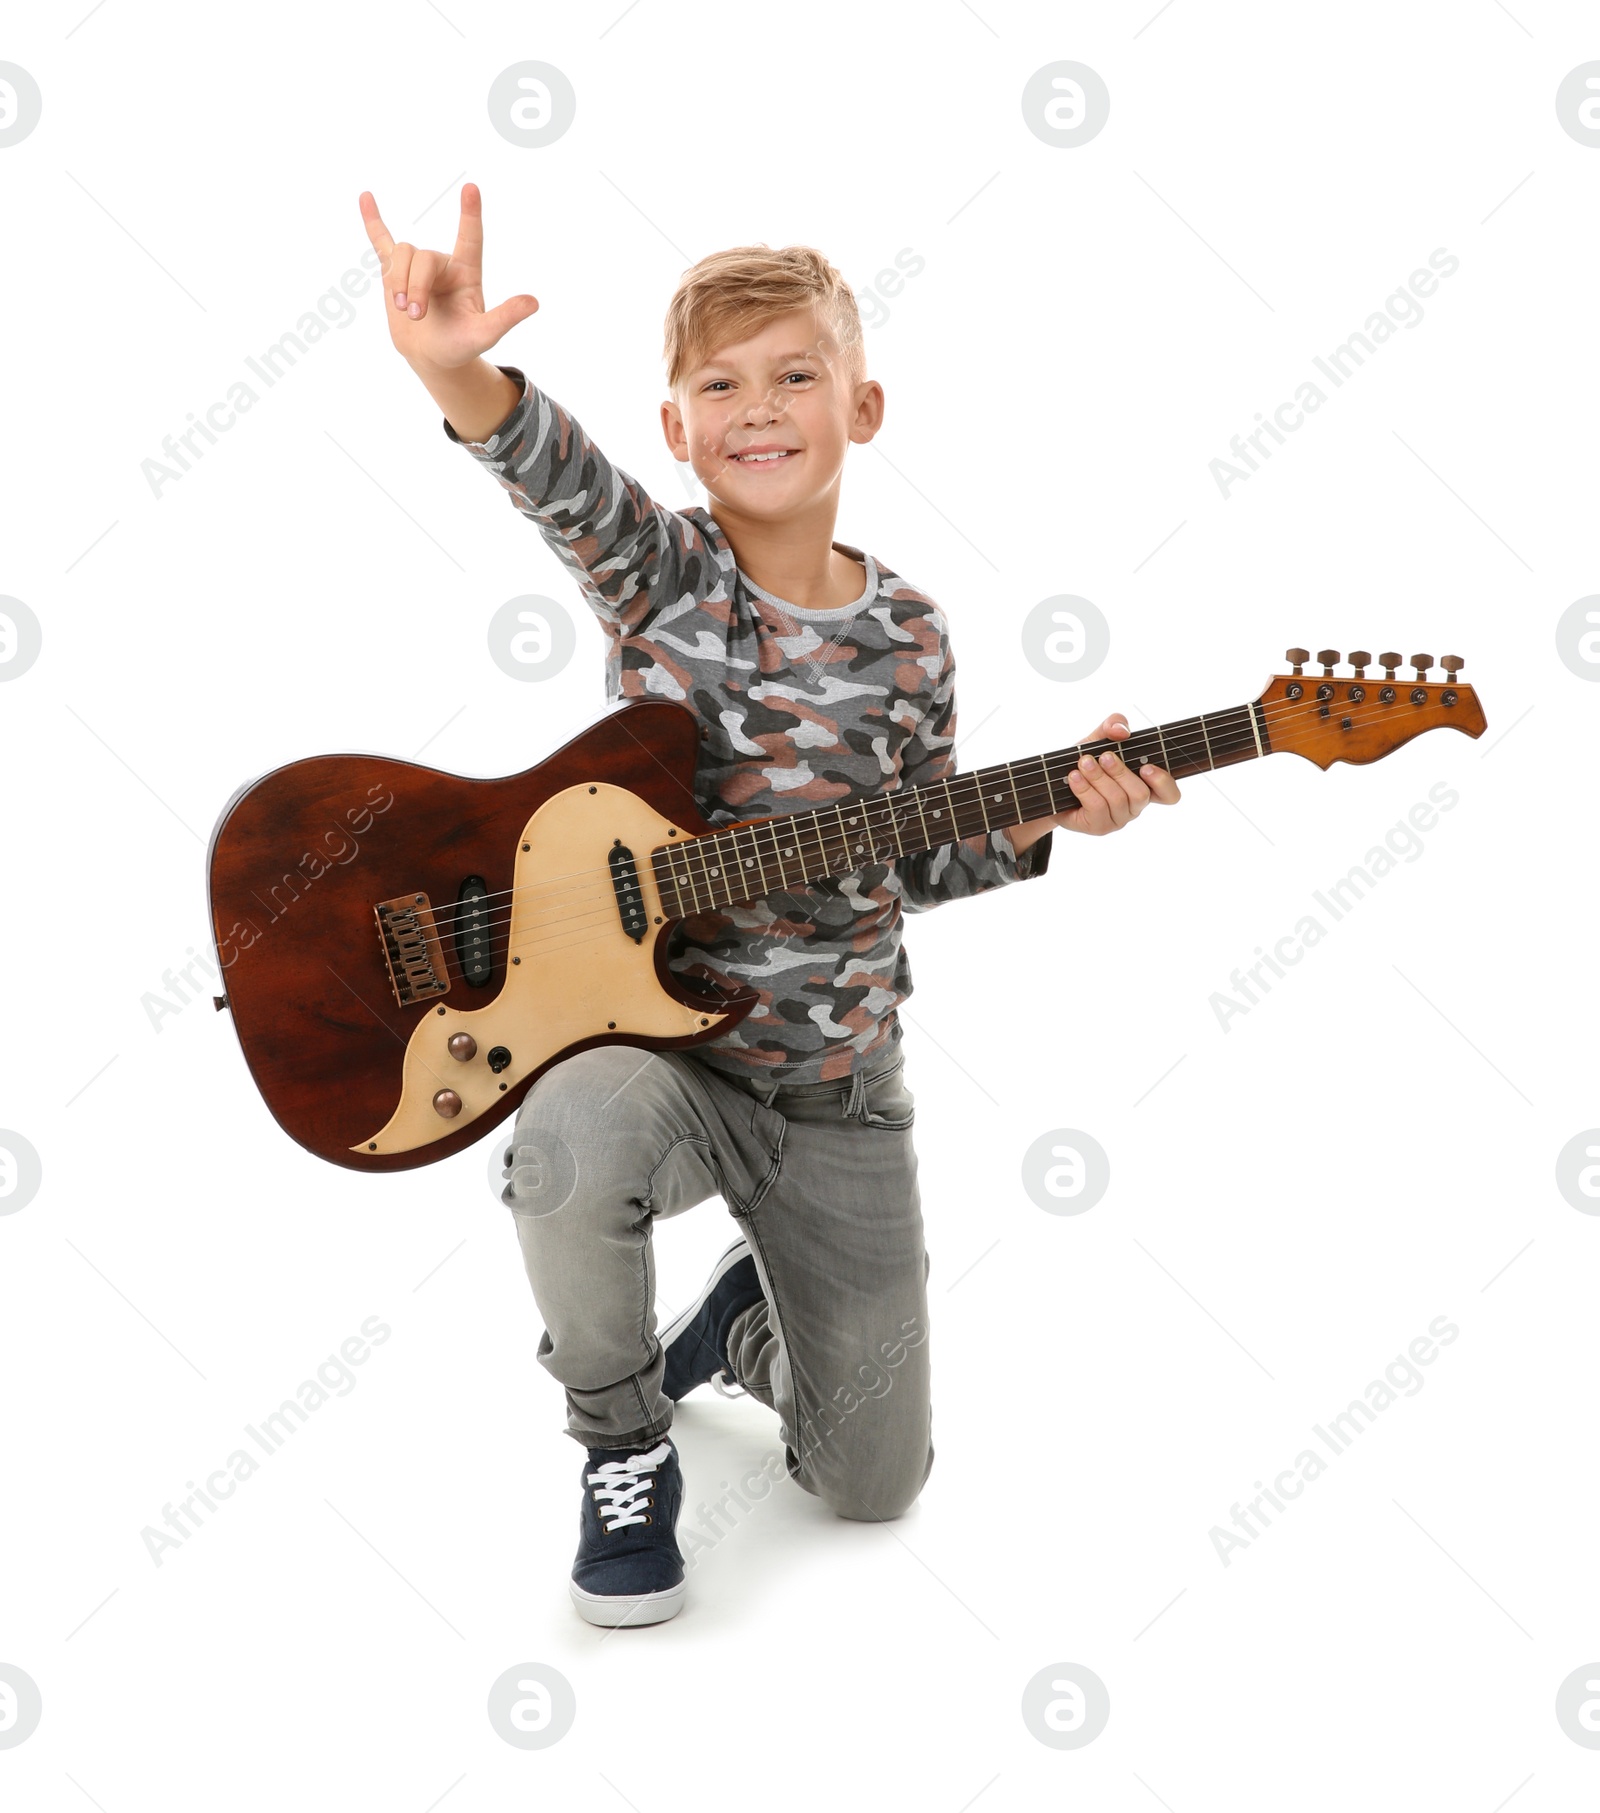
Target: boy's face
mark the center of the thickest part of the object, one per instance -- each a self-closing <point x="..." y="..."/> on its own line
<point x="784" y="390"/>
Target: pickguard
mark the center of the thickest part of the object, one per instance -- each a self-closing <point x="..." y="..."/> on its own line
<point x="572" y="973"/>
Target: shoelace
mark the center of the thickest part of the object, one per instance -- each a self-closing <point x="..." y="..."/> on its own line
<point x="621" y="1488"/>
<point x="718" y="1385"/>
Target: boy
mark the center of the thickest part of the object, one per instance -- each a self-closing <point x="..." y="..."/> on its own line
<point x="818" y="674"/>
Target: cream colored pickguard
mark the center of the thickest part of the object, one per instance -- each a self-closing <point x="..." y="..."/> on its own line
<point x="580" y="975"/>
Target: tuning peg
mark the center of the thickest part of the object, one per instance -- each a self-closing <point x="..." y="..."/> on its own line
<point x="1327" y="656"/>
<point x="1297" y="656"/>
<point x="1452" y="664"/>
<point x="1390" y="662"/>
<point x="1422" y="663"/>
<point x="1359" y="659"/>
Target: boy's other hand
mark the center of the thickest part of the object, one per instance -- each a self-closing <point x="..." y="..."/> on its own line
<point x="435" y="302"/>
<point x="1109" y="793"/>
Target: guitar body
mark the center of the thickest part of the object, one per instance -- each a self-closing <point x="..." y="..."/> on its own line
<point x="352" y="959"/>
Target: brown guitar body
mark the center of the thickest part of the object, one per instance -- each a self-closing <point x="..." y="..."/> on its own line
<point x="302" y="858"/>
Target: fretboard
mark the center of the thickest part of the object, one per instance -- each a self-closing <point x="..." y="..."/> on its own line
<point x="746" y="862"/>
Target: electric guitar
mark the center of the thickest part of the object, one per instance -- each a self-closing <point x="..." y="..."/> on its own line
<point x="407" y="951"/>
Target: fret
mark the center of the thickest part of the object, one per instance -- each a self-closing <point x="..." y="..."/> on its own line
<point x="1166" y="760"/>
<point x="770" y="827"/>
<point x="754" y="870"/>
<point x="886" y="829"/>
<point x="663" y="875"/>
<point x="748" y="868"/>
<point x="1049" y="788"/>
<point x="683" y="875"/>
<point x="851" y="851"/>
<point x="950" y="807"/>
<point x="711" y="861"/>
<point x="815" y="821"/>
<point x="927" y="836"/>
<point x="1187" y="763"/>
<point x="1203" y="731"/>
<point x="897" y="823"/>
<point x="978" y="784"/>
<point x="1021" y="817"/>
<point x="839" y="857"/>
<point x="783" y="850"/>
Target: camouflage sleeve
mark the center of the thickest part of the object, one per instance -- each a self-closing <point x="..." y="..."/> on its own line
<point x="626" y="552"/>
<point x="975" y="864"/>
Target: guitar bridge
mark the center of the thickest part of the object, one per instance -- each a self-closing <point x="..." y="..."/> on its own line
<point x="411" y="949"/>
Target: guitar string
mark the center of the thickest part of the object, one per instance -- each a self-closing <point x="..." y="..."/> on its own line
<point x="549" y="934"/>
<point x="1230" y="737"/>
<point x="575" y="880"/>
<point x="886" y="805"/>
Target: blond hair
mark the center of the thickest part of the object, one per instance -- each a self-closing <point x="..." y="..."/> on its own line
<point x="730" y="295"/>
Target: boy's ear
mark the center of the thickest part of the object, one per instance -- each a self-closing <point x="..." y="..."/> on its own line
<point x="672" y="428"/>
<point x="867" y="418"/>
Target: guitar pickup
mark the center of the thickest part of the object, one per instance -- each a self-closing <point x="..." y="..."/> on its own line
<point x="411" y="949"/>
<point x="625" y="881"/>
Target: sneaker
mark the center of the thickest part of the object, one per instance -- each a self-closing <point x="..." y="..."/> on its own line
<point x="696" y="1342"/>
<point x="629" y="1569"/>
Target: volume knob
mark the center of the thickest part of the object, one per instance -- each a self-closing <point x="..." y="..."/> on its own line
<point x="463" y="1047"/>
<point x="447" y="1103"/>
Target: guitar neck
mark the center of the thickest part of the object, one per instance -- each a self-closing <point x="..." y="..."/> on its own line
<point x="744" y="862"/>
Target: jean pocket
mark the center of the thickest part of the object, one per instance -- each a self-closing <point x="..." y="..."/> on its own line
<point x="888" y="1103"/>
<point x="761" y="1163"/>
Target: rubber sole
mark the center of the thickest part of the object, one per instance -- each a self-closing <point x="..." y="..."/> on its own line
<point x="636" y="1608"/>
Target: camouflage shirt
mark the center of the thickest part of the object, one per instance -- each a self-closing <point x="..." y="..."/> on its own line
<point x="802" y="707"/>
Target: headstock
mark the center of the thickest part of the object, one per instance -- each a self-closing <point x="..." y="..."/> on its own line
<point x="1357" y="719"/>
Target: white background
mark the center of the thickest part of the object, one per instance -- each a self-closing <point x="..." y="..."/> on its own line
<point x="1370" y="1147"/>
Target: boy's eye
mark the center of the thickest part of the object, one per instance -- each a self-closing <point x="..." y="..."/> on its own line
<point x="804" y="376"/>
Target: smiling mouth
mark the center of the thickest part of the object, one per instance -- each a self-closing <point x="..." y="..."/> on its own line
<point x="759" y="460"/>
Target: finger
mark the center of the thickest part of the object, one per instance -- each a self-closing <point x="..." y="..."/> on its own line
<point x="1161" y="784"/>
<point x="469" y="233"/>
<point x="397" y="273"/>
<point x="498" y="322"/>
<point x="379" y="235"/>
<point x="1115" y="727"/>
<point x="1094" y="808"/>
<point x="427" y="270"/>
<point x="1132" y="784"/>
<point x="1108" y="782"/>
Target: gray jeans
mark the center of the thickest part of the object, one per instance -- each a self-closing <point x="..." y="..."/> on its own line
<point x="821" y="1179"/>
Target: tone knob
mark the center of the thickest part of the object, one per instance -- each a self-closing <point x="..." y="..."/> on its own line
<point x="463" y="1047"/>
<point x="447" y="1103"/>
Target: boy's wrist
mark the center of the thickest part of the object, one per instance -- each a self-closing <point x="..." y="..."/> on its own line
<point x="475" y="399"/>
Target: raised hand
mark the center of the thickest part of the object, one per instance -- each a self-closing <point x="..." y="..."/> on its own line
<point x="435" y="302"/>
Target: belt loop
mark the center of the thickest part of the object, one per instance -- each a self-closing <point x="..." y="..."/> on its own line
<point x="856" y="1103"/>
